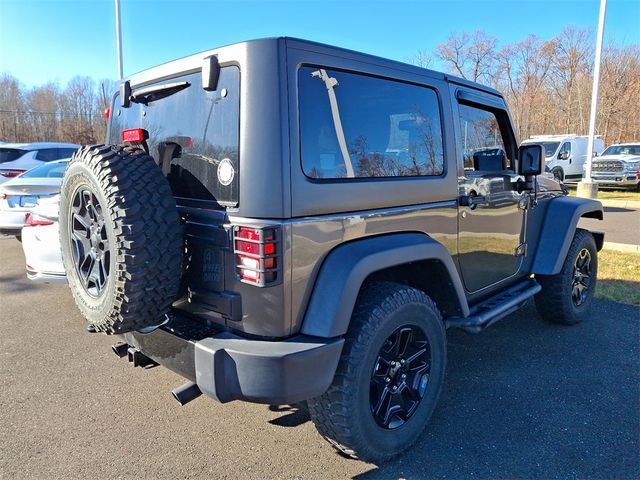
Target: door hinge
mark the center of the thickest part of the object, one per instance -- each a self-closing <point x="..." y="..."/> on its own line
<point x="521" y="250"/>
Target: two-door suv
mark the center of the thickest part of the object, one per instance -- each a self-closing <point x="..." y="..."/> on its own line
<point x="281" y="221"/>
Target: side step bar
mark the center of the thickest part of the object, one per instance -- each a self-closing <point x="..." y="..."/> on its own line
<point x="493" y="309"/>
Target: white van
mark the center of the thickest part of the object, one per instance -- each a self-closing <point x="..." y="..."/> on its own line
<point x="565" y="154"/>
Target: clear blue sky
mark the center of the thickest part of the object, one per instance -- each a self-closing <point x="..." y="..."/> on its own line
<point x="54" y="40"/>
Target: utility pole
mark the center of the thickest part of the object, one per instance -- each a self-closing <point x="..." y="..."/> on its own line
<point x="119" y="39"/>
<point x="586" y="188"/>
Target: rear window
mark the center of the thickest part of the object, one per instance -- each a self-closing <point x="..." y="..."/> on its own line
<point x="51" y="154"/>
<point x="358" y="126"/>
<point x="10" y="154"/>
<point x="193" y="136"/>
<point x="48" y="170"/>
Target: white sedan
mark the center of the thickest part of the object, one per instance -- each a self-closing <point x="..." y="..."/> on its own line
<point x="19" y="195"/>
<point x="41" y="244"/>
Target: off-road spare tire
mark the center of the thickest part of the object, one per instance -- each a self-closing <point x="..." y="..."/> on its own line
<point x="120" y="237"/>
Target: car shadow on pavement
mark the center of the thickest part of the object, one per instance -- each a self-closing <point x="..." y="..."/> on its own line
<point x="296" y="415"/>
<point x="528" y="399"/>
<point x="617" y="210"/>
<point x="19" y="283"/>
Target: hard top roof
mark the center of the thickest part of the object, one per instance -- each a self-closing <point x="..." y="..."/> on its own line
<point x="189" y="62"/>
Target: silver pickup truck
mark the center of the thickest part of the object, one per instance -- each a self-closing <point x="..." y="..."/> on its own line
<point x="618" y="166"/>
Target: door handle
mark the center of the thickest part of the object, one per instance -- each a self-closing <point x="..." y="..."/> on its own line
<point x="471" y="201"/>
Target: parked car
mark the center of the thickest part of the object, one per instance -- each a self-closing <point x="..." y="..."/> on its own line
<point x="281" y="221"/>
<point x="16" y="158"/>
<point x="618" y="166"/>
<point x="565" y="155"/>
<point x="19" y="195"/>
<point x="41" y="243"/>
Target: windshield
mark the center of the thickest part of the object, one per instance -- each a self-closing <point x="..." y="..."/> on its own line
<point x="10" y="154"/>
<point x="550" y="148"/>
<point x="48" y="170"/>
<point x="622" y="150"/>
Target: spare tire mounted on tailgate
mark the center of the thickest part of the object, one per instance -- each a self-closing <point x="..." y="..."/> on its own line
<point x="121" y="238"/>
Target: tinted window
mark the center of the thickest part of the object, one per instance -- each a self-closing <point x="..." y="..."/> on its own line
<point x="566" y="148"/>
<point x="10" y="154"/>
<point x="48" y="154"/>
<point x="482" y="143"/>
<point x="190" y="133"/>
<point x="549" y="148"/>
<point x="66" y="152"/>
<point x="622" y="150"/>
<point x="359" y="126"/>
<point x="48" y="170"/>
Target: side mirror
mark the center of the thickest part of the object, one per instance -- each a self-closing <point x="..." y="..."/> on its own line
<point x="595" y="154"/>
<point x="210" y="73"/>
<point x="530" y="159"/>
<point x="563" y="155"/>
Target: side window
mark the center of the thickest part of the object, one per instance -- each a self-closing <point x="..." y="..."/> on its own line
<point x="565" y="151"/>
<point x="357" y="126"/>
<point x="65" y="153"/>
<point x="47" y="154"/>
<point x="483" y="144"/>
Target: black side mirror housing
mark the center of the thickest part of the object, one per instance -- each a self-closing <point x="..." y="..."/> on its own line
<point x="210" y="73"/>
<point x="530" y="160"/>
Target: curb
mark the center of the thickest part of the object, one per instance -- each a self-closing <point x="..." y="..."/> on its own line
<point x="621" y="247"/>
<point x="620" y="203"/>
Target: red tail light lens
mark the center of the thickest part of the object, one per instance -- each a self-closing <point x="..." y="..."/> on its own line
<point x="256" y="259"/>
<point x="11" y="172"/>
<point x="32" y="220"/>
<point x="134" y="135"/>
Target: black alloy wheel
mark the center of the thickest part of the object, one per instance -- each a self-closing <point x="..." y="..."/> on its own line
<point x="400" y="376"/>
<point x="91" y="249"/>
<point x="581" y="277"/>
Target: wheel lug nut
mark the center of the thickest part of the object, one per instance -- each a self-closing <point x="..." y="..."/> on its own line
<point x="388" y="379"/>
<point x="402" y="362"/>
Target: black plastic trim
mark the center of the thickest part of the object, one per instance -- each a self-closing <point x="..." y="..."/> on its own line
<point x="347" y="266"/>
<point x="558" y="229"/>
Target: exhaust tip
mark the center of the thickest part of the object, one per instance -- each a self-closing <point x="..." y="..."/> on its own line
<point x="186" y="393"/>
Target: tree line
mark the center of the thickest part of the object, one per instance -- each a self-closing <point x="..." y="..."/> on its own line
<point x="546" y="83"/>
<point x="73" y="113"/>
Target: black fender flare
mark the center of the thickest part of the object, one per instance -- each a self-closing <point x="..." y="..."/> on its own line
<point x="559" y="226"/>
<point x="347" y="267"/>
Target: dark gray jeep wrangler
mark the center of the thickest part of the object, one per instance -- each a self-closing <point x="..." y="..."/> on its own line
<point x="281" y="221"/>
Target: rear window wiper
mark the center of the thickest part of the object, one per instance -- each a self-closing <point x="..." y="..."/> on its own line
<point x="157" y="92"/>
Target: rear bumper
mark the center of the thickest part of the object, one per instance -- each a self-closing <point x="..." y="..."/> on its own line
<point x="46" y="277"/>
<point x="228" y="367"/>
<point x="12" y="221"/>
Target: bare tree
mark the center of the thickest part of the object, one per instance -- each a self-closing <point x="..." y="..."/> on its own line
<point x="471" y="57"/>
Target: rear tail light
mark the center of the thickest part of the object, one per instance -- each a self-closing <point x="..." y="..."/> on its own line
<point x="11" y="172"/>
<point x="32" y="220"/>
<point x="257" y="252"/>
<point x="134" y="135"/>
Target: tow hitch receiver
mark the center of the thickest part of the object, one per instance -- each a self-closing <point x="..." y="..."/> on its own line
<point x="134" y="355"/>
<point x="139" y="359"/>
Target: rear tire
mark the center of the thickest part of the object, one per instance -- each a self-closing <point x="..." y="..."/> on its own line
<point x="356" y="414"/>
<point x="120" y="238"/>
<point x="566" y="297"/>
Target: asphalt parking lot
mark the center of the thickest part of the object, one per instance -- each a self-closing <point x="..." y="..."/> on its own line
<point x="523" y="400"/>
